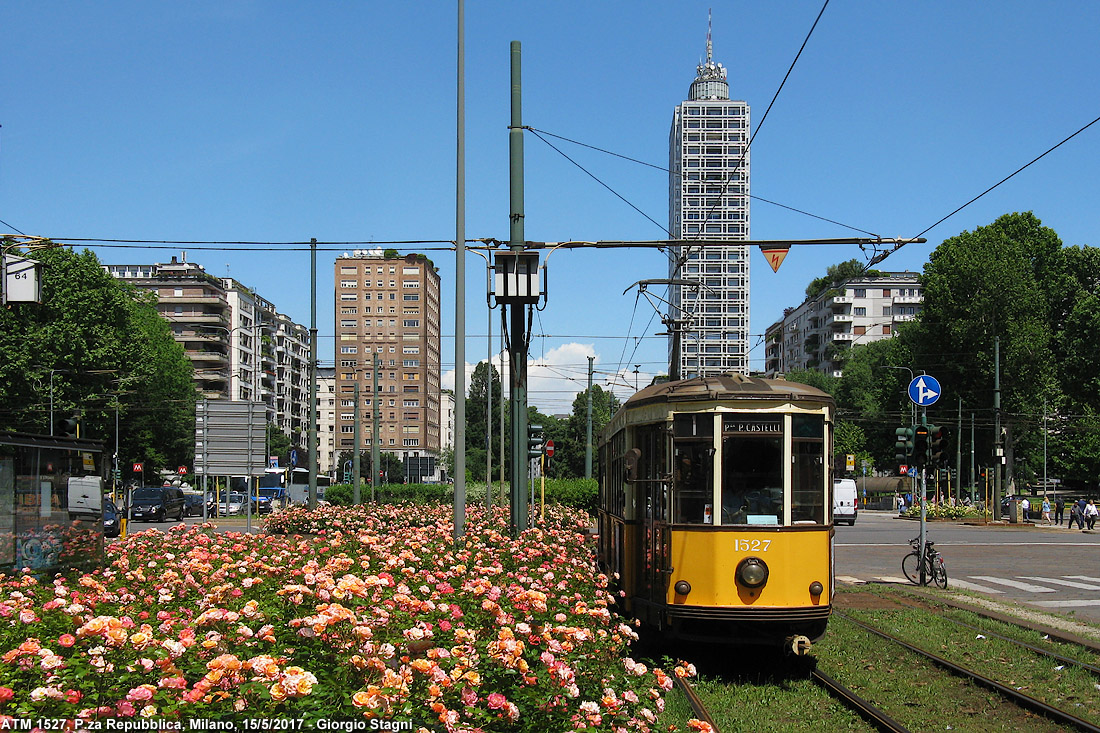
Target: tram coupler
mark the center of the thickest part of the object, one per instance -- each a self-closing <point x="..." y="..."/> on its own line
<point x="798" y="645"/>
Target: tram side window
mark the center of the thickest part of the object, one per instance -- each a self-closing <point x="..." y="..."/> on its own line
<point x="694" y="499"/>
<point x="693" y="467"/>
<point x="752" y="481"/>
<point x="808" y="474"/>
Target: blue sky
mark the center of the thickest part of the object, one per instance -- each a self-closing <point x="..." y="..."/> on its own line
<point x="279" y="121"/>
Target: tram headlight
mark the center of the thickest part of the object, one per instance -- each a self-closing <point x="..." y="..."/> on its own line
<point x="752" y="572"/>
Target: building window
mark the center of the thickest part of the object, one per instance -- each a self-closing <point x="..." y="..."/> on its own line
<point x="861" y="292"/>
<point x="861" y="311"/>
<point x="349" y="349"/>
<point x="411" y="323"/>
<point x="886" y="292"/>
<point x="885" y="310"/>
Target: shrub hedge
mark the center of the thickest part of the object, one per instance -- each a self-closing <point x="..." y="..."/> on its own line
<point x="574" y="493"/>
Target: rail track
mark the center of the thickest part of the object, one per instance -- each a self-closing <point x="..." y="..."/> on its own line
<point x="1023" y="700"/>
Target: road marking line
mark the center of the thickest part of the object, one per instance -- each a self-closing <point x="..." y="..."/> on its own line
<point x="1066" y="604"/>
<point x="850" y="579"/>
<point x="1014" y="584"/>
<point x="1059" y="581"/>
<point x="956" y="583"/>
<point x="1083" y="577"/>
<point x="893" y="579"/>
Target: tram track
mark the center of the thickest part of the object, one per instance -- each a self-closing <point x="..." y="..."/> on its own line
<point x="1021" y="699"/>
<point x="872" y="714"/>
<point x="696" y="703"/>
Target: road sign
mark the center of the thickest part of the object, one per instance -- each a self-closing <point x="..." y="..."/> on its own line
<point x="912" y="471"/>
<point x="138" y="468"/>
<point x="924" y="390"/>
<point x="293" y="456"/>
<point x="549" y="449"/>
<point x="904" y="469"/>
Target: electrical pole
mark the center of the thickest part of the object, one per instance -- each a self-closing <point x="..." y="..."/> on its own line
<point x="356" y="468"/>
<point x="460" y="287"/>
<point x="998" y="448"/>
<point x="958" y="455"/>
<point x="588" y="441"/>
<point x="517" y="352"/>
<point x="312" y="445"/>
<point x="375" y="449"/>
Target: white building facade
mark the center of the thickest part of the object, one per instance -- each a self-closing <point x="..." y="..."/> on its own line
<point x="709" y="200"/>
<point x="819" y="333"/>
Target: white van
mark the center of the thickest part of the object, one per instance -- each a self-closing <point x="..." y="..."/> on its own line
<point x="844" y="501"/>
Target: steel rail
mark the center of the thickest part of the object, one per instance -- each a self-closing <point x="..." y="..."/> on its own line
<point x="695" y="702"/>
<point x="1024" y="701"/>
<point x="864" y="709"/>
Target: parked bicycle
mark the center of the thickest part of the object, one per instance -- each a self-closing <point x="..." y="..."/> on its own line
<point x="935" y="570"/>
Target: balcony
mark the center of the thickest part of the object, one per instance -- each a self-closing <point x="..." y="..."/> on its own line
<point x="899" y="318"/>
<point x="842" y="336"/>
<point x="838" y="318"/>
<point x="207" y="358"/>
<point x="838" y="300"/>
<point x="908" y="299"/>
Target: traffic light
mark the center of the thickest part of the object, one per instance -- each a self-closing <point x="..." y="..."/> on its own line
<point x="903" y="447"/>
<point x="70" y="426"/>
<point x="937" y="445"/>
<point x="534" y="441"/>
<point x="920" y="445"/>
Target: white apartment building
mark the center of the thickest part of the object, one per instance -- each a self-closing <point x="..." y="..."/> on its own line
<point x="819" y="333"/>
<point x="709" y="199"/>
<point x="327" y="449"/>
<point x="241" y="347"/>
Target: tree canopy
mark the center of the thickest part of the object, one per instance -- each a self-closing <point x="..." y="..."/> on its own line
<point x="96" y="344"/>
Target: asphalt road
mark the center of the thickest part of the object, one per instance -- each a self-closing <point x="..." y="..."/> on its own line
<point x="1049" y="568"/>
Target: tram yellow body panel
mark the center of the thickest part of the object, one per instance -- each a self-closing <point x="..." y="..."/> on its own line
<point x="708" y="559"/>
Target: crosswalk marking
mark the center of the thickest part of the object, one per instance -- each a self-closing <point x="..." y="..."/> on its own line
<point x="1084" y="577"/>
<point x="1060" y="581"/>
<point x="964" y="585"/>
<point x="1029" y="587"/>
<point x="1069" y="603"/>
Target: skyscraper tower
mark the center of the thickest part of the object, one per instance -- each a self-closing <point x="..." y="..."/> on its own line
<point x="708" y="198"/>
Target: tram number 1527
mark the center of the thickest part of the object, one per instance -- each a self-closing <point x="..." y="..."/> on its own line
<point x="751" y="545"/>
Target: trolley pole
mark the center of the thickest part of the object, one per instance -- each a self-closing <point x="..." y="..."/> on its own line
<point x="923" y="508"/>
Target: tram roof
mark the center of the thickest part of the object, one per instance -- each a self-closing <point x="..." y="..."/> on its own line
<point x="727" y="386"/>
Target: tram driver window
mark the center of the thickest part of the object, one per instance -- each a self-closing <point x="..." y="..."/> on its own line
<point x="693" y="494"/>
<point x="752" y="479"/>
<point x="808" y="469"/>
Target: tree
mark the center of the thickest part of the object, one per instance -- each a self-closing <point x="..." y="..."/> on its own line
<point x="569" y="450"/>
<point x="278" y="444"/>
<point x="476" y="428"/>
<point x="100" y="342"/>
<point x="837" y="274"/>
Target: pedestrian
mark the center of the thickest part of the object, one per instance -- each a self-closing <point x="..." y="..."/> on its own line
<point x="1025" y="507"/>
<point x="1046" y="511"/>
<point x="1059" y="507"/>
<point x="1090" y="514"/>
<point x="1075" y="516"/>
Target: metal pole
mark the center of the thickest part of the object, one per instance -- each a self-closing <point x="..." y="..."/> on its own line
<point x="502" y="461"/>
<point x="998" y="449"/>
<point x="518" y="350"/>
<point x="958" y="455"/>
<point x="376" y="437"/>
<point x="312" y="445"/>
<point x="588" y="433"/>
<point x="356" y="466"/>
<point x="973" y="476"/>
<point x="460" y="287"/>
<point x="923" y="509"/>
<point x="52" y="372"/>
<point x="1045" y="452"/>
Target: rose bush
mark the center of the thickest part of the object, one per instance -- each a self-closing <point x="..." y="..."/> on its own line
<point x="340" y="612"/>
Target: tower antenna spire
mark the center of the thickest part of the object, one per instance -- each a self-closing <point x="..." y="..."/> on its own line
<point x="709" y="48"/>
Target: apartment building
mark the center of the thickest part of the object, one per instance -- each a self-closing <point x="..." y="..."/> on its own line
<point x="241" y="347"/>
<point x="387" y="317"/>
<point x="819" y="333"/>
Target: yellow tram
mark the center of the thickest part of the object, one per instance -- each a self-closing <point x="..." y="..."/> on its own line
<point x="715" y="510"/>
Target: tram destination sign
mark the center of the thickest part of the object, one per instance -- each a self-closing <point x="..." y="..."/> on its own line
<point x="771" y="425"/>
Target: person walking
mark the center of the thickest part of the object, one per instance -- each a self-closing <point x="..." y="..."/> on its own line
<point x="1025" y="509"/>
<point x="1059" y="507"/>
<point x="1075" y="516"/>
<point x="1046" y="511"/>
<point x="1090" y="514"/>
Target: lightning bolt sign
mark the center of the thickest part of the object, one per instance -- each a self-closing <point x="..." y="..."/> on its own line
<point x="775" y="256"/>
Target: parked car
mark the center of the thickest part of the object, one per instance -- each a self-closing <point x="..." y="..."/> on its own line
<point x="157" y="503"/>
<point x="268" y="498"/>
<point x="111" y="519"/>
<point x="233" y="504"/>
<point x="193" y="505"/>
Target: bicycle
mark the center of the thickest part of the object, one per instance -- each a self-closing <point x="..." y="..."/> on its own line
<point x="935" y="570"/>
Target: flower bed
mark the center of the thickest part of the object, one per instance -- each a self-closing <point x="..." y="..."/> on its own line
<point x="348" y="613"/>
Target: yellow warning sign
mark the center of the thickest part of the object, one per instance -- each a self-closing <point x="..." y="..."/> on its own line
<point x="775" y="256"/>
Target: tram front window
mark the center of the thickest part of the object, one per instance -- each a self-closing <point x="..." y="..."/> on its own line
<point x="752" y="479"/>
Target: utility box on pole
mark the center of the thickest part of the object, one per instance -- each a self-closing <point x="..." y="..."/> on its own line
<point x="516" y="278"/>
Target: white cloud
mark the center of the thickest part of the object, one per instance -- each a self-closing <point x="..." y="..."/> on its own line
<point x="556" y="377"/>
